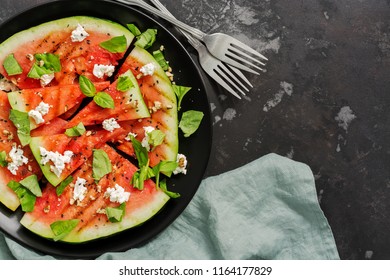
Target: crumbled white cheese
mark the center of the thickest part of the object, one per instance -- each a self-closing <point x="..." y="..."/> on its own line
<point x="18" y="159"/>
<point x="6" y="85"/>
<point x="57" y="159"/>
<point x="38" y="113"/>
<point x="79" y="190"/>
<point x="182" y="164"/>
<point x="110" y="124"/>
<point x="128" y="137"/>
<point x="99" y="70"/>
<point x="79" y="34"/>
<point x="145" y="140"/>
<point x="46" y="79"/>
<point x="117" y="194"/>
<point x="148" y="69"/>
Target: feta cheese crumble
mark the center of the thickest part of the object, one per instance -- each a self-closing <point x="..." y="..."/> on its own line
<point x="18" y="159"/>
<point x="38" y="113"/>
<point x="99" y="70"/>
<point x="110" y="124"/>
<point x="46" y="79"/>
<point x="79" y="34"/>
<point x="79" y="190"/>
<point x="145" y="140"/>
<point x="117" y="194"/>
<point x="148" y="69"/>
<point x="57" y="159"/>
<point x="182" y="164"/>
<point x="128" y="137"/>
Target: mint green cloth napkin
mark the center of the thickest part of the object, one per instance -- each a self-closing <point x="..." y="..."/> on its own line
<point x="267" y="209"/>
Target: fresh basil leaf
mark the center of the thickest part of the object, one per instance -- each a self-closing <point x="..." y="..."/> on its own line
<point x="104" y="100"/>
<point x="101" y="164"/>
<point x="22" y="122"/>
<point x="134" y="29"/>
<point x="180" y="91"/>
<point x="46" y="63"/>
<point x="190" y="122"/>
<point x="115" y="214"/>
<point x="75" y="131"/>
<point x="12" y="66"/>
<point x="31" y="183"/>
<point x="27" y="198"/>
<point x="124" y="83"/>
<point x="86" y="86"/>
<point x="163" y="187"/>
<point x="141" y="153"/>
<point x="165" y="167"/>
<point x="156" y="137"/>
<point x="60" y="189"/>
<point x="3" y="159"/>
<point x="62" y="228"/>
<point x="159" y="57"/>
<point x="115" y="45"/>
<point x="146" y="39"/>
<point x="141" y="175"/>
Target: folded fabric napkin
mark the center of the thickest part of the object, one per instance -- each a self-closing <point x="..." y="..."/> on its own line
<point x="267" y="209"/>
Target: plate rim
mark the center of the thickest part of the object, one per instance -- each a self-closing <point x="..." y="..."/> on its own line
<point x="201" y="77"/>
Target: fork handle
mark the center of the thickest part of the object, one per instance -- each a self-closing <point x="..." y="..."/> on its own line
<point x="193" y="31"/>
<point x="194" y="42"/>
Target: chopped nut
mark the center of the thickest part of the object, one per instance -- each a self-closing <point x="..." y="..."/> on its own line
<point x="162" y="48"/>
<point x="89" y="133"/>
<point x="46" y="209"/>
<point x="41" y="63"/>
<point x="30" y="57"/>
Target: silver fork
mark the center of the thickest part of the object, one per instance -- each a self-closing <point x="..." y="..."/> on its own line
<point x="221" y="73"/>
<point x="222" y="46"/>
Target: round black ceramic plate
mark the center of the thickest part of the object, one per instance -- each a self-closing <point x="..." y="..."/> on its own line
<point x="196" y="148"/>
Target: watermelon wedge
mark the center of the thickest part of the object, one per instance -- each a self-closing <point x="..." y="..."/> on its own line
<point x="73" y="152"/>
<point x="161" y="101"/>
<point x="8" y="140"/>
<point x="129" y="105"/>
<point x="76" y="57"/>
<point x="90" y="212"/>
<point x="60" y="99"/>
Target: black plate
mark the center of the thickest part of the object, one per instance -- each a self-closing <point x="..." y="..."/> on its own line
<point x="196" y="148"/>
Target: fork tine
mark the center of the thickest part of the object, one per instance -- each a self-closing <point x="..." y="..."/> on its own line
<point x="239" y="45"/>
<point x="216" y="76"/>
<point x="235" y="59"/>
<point x="239" y="73"/>
<point x="221" y="71"/>
<point x="231" y="77"/>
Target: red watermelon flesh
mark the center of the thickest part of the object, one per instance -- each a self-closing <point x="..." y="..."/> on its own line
<point x="93" y="222"/>
<point x="60" y="98"/>
<point x="55" y="126"/>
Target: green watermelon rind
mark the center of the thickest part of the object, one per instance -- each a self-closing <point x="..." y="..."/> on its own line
<point x="64" y="24"/>
<point x="7" y="197"/>
<point x="130" y="220"/>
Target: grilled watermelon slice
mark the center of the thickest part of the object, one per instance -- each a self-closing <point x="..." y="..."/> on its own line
<point x="8" y="138"/>
<point x="129" y="105"/>
<point x="59" y="98"/>
<point x="81" y="148"/>
<point x="161" y="101"/>
<point x="55" y="38"/>
<point x="92" y="221"/>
